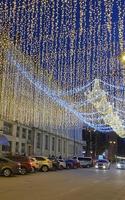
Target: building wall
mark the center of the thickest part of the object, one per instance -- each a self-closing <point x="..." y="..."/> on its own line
<point x="34" y="141"/>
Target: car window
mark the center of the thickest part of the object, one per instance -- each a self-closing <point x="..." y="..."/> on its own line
<point x="18" y="158"/>
<point x="3" y="160"/>
<point x="122" y="161"/>
<point x="32" y="159"/>
<point x="40" y="158"/>
<point x="61" y="160"/>
<point x="80" y="158"/>
<point x="86" y="159"/>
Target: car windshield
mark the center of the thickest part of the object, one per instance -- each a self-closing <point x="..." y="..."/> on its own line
<point x="85" y="159"/>
<point x="121" y="161"/>
<point x="102" y="161"/>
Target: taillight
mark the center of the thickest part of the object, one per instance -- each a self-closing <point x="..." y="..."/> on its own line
<point x="30" y="163"/>
<point x="19" y="164"/>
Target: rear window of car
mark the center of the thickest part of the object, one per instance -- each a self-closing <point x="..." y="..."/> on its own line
<point x="84" y="159"/>
<point x="61" y="160"/>
<point x="18" y="158"/>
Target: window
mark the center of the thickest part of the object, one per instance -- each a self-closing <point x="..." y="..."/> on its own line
<point x="10" y="146"/>
<point x="23" y="148"/>
<point x="53" y="144"/>
<point x="7" y="128"/>
<point x="24" y="133"/>
<point x="59" y="145"/>
<point x="4" y="148"/>
<point x="18" y="131"/>
<point x="64" y="147"/>
<point x="46" y="142"/>
<point x="29" y="135"/>
<point x="38" y="140"/>
<point x="17" y="147"/>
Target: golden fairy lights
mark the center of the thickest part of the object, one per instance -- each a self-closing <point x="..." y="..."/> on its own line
<point x="65" y="44"/>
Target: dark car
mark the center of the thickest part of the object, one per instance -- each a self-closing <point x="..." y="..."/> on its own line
<point x="55" y="163"/>
<point x="9" y="167"/>
<point x="71" y="164"/>
<point x="26" y="165"/>
<point x="102" y="164"/>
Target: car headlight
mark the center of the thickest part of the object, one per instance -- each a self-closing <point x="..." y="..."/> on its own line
<point x="104" y="166"/>
<point x="96" y="166"/>
<point x="118" y="165"/>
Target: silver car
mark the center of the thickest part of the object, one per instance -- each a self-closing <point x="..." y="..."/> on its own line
<point x="120" y="162"/>
<point x="62" y="164"/>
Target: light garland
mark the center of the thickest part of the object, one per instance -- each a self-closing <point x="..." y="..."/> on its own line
<point x="66" y="45"/>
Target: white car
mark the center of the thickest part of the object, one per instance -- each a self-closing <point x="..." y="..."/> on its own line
<point x="120" y="162"/>
<point x="62" y="164"/>
<point x="84" y="161"/>
<point x="102" y="164"/>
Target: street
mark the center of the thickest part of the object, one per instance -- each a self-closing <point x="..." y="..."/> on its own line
<point x="79" y="184"/>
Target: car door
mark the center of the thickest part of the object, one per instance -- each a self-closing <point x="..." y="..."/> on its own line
<point x="81" y="160"/>
<point x="3" y="163"/>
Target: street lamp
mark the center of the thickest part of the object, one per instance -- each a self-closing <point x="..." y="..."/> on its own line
<point x="122" y="58"/>
<point x="112" y="142"/>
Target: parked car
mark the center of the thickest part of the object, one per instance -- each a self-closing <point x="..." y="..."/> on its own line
<point x="120" y="162"/>
<point x="35" y="164"/>
<point x="9" y="167"/>
<point x="102" y="164"/>
<point x="55" y="163"/>
<point x="45" y="163"/>
<point x="84" y="161"/>
<point x="77" y="161"/>
<point x="71" y="164"/>
<point x="26" y="165"/>
<point x="62" y="164"/>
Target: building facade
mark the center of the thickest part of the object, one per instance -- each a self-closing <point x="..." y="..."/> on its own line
<point x="23" y="139"/>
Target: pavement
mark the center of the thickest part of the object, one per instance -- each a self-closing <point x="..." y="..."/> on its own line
<point x="76" y="184"/>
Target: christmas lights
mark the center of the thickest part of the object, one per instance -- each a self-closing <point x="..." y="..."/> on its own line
<point x="65" y="46"/>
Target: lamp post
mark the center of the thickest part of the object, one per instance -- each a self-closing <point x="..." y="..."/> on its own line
<point x="112" y="149"/>
<point x="122" y="58"/>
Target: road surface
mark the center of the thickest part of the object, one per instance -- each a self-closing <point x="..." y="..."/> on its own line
<point x="79" y="184"/>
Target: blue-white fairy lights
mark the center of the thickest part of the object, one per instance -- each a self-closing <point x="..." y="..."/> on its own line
<point x="59" y="48"/>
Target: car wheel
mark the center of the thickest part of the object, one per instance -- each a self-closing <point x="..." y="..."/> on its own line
<point x="68" y="166"/>
<point x="61" y="167"/>
<point x="23" y="171"/>
<point x="44" y="168"/>
<point x="54" y="168"/>
<point x="7" y="172"/>
<point x="33" y="169"/>
<point x="88" y="166"/>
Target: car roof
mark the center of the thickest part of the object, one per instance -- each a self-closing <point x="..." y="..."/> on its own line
<point x="41" y="157"/>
